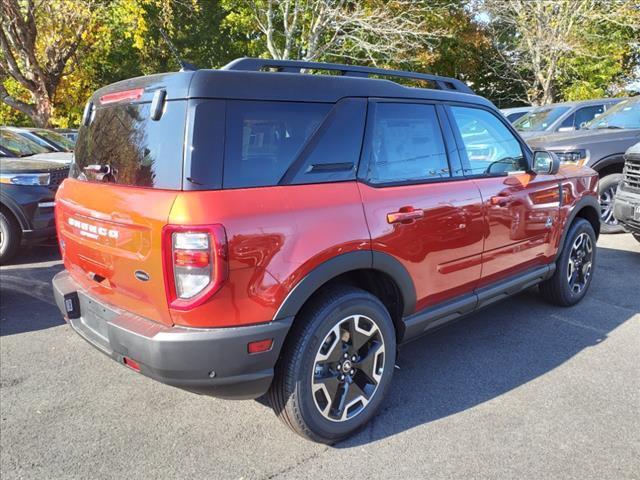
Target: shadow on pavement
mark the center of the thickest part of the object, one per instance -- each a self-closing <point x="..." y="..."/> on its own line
<point x="26" y="297"/>
<point x="501" y="348"/>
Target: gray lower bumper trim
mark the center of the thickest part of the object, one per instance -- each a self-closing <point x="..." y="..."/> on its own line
<point x="178" y="356"/>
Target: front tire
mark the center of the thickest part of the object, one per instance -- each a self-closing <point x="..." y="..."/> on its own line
<point x="607" y="190"/>
<point x="574" y="267"/>
<point x="9" y="237"/>
<point x="336" y="366"/>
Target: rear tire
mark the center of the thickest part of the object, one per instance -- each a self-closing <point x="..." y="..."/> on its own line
<point x="574" y="267"/>
<point x="607" y="191"/>
<point x="336" y="365"/>
<point x="9" y="237"/>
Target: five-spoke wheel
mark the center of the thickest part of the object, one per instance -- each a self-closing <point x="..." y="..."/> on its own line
<point x="348" y="368"/>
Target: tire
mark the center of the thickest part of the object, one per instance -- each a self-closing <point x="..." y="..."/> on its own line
<point x="606" y="193"/>
<point x="9" y="237"/>
<point x="315" y="349"/>
<point x="559" y="289"/>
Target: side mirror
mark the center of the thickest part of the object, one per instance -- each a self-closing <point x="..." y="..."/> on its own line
<point x="545" y="163"/>
<point x="567" y="129"/>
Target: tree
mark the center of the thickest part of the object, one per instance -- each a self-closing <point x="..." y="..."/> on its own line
<point x="374" y="30"/>
<point x="541" y="41"/>
<point x="39" y="41"/>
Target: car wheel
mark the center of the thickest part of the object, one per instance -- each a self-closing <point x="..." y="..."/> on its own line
<point x="607" y="192"/>
<point x="574" y="267"/>
<point x="336" y="365"/>
<point x="9" y="237"/>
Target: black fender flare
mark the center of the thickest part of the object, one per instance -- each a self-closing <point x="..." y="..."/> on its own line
<point x="586" y="201"/>
<point x="16" y="211"/>
<point x="608" y="161"/>
<point x="346" y="262"/>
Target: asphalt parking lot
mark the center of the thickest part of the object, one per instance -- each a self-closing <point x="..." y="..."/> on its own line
<point x="520" y="390"/>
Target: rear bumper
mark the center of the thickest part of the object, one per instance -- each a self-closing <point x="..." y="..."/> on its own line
<point x="624" y="208"/>
<point x="178" y="356"/>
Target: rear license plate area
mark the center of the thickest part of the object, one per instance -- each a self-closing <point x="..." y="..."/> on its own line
<point x="94" y="317"/>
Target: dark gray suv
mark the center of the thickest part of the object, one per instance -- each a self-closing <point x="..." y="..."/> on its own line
<point x="601" y="146"/>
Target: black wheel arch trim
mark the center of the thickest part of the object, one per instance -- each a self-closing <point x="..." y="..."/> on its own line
<point x="584" y="202"/>
<point x="344" y="263"/>
<point x="16" y="211"/>
<point x="608" y="161"/>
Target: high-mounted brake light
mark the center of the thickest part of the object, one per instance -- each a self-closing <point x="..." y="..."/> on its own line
<point x="195" y="263"/>
<point x="133" y="94"/>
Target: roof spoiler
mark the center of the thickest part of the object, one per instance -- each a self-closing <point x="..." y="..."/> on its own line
<point x="296" y="66"/>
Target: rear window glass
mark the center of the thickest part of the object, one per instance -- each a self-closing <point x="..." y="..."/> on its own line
<point x="263" y="139"/>
<point x="124" y="146"/>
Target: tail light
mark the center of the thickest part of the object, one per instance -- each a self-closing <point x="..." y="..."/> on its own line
<point x="195" y="263"/>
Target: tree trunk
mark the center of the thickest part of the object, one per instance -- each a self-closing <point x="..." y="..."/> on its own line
<point x="43" y="109"/>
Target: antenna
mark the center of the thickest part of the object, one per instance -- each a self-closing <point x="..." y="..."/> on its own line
<point x="184" y="66"/>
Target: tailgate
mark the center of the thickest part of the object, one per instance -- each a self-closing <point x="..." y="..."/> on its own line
<point x="110" y="236"/>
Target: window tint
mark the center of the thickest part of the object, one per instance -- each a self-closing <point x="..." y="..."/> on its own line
<point x="138" y="151"/>
<point x="586" y="114"/>
<point x="332" y="154"/>
<point x="490" y="148"/>
<point x="263" y="139"/>
<point x="568" y="122"/>
<point x="406" y="144"/>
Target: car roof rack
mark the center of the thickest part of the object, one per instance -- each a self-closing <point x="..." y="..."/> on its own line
<point x="296" y="66"/>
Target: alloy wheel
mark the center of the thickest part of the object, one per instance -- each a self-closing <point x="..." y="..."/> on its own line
<point x="606" y="205"/>
<point x="348" y="368"/>
<point x="580" y="263"/>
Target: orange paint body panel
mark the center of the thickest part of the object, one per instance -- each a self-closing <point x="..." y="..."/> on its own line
<point x="87" y="215"/>
<point x="275" y="235"/>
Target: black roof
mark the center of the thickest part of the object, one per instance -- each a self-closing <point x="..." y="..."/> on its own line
<point x="246" y="79"/>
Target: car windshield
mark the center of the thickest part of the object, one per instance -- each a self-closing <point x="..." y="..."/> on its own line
<point x="540" y="119"/>
<point x="55" y="137"/>
<point x="19" y="146"/>
<point x="625" y="114"/>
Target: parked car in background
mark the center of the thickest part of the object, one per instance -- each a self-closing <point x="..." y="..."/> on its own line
<point x="48" y="139"/>
<point x="27" y="191"/>
<point x="515" y="113"/>
<point x="626" y="207"/>
<point x="13" y="144"/>
<point x="241" y="231"/>
<point x="601" y="146"/>
<point x="562" y="117"/>
<point x="69" y="133"/>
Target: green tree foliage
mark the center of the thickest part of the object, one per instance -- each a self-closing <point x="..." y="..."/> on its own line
<point x="479" y="41"/>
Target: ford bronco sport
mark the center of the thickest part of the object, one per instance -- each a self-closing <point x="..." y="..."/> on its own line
<point x="264" y="229"/>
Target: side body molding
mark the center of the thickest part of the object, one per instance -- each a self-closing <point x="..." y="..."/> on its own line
<point x="345" y="263"/>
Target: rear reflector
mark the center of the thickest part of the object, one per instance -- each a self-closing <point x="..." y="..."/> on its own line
<point x="260" y="346"/>
<point x="132" y="364"/>
<point x="134" y="94"/>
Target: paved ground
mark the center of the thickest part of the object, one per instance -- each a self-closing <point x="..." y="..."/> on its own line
<point x="520" y="390"/>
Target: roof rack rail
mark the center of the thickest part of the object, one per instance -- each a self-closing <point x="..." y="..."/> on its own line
<point x="295" y="66"/>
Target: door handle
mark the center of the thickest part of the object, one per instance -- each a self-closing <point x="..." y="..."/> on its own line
<point x="405" y="215"/>
<point x="501" y="200"/>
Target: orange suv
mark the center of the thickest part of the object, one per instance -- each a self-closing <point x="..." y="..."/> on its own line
<point x="263" y="229"/>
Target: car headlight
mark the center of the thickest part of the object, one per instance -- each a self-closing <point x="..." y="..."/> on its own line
<point x="33" y="179"/>
<point x="576" y="157"/>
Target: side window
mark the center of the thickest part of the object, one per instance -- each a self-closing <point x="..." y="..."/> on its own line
<point x="489" y="146"/>
<point x="264" y="138"/>
<point x="405" y="144"/>
<point x="586" y="114"/>
<point x="567" y="123"/>
<point x="332" y="154"/>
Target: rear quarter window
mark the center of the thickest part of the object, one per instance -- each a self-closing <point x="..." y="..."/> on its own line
<point x="264" y="138"/>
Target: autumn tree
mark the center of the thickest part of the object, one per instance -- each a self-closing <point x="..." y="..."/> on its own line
<point x="543" y="43"/>
<point x="375" y="31"/>
<point x="39" y="42"/>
